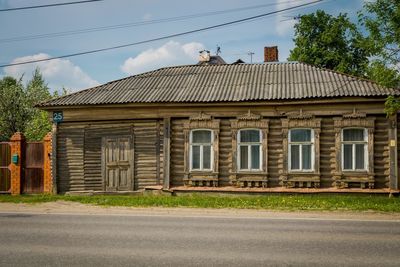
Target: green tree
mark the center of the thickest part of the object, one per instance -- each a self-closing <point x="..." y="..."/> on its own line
<point x="39" y="124"/>
<point x="381" y="19"/>
<point x="379" y="72"/>
<point x="14" y="110"/>
<point x="17" y="107"/>
<point x="330" y="42"/>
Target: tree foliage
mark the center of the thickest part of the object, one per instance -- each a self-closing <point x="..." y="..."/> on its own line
<point x="379" y="72"/>
<point x="37" y="91"/>
<point x="382" y="20"/>
<point x="17" y="107"/>
<point x="330" y="42"/>
<point x="13" y="107"/>
<point x="336" y="43"/>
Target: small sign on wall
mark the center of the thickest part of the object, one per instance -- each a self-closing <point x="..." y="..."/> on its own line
<point x="392" y="143"/>
<point x="58" y="116"/>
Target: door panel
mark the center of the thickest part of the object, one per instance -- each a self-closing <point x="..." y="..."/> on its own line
<point x="33" y="180"/>
<point x="123" y="178"/>
<point x="111" y="177"/>
<point x="118" y="164"/>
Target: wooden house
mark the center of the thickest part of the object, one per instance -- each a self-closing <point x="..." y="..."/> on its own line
<point x="269" y="126"/>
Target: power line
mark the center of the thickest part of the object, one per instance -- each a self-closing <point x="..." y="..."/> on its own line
<point x="49" y="5"/>
<point x="135" y="24"/>
<point x="163" y="37"/>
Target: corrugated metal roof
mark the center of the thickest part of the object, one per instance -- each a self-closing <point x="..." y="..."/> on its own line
<point x="226" y="83"/>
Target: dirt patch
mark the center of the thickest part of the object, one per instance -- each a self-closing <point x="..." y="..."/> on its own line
<point x="67" y="207"/>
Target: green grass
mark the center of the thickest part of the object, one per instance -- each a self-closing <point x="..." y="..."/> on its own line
<point x="271" y="202"/>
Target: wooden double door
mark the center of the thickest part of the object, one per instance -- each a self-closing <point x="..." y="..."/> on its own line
<point x="118" y="163"/>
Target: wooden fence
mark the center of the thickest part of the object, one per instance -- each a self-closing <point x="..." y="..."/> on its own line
<point x="25" y="167"/>
<point x="5" y="161"/>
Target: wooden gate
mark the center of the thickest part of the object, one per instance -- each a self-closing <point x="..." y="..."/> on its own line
<point x="33" y="165"/>
<point x="5" y="173"/>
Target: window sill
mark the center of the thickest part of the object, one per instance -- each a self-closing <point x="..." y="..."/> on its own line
<point x="249" y="179"/>
<point x="201" y="178"/>
<point x="357" y="172"/>
<point x="202" y="171"/>
<point x="346" y="179"/>
<point x="300" y="179"/>
<point x="251" y="172"/>
<point x="303" y="173"/>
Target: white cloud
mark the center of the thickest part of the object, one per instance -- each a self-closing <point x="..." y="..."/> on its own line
<point x="170" y="54"/>
<point x="57" y="73"/>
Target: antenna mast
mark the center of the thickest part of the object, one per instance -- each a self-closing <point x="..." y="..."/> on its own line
<point x="251" y="56"/>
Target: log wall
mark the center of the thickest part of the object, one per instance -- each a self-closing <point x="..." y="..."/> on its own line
<point x="79" y="153"/>
<point x="275" y="150"/>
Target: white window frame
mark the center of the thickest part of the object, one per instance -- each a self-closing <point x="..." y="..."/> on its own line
<point x="201" y="151"/>
<point x="354" y="143"/>
<point x="249" y="144"/>
<point x="311" y="142"/>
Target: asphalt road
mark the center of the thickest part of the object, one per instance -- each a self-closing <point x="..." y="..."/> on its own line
<point x="176" y="240"/>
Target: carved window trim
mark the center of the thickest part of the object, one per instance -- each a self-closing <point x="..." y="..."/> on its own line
<point x="353" y="143"/>
<point x="201" y="145"/>
<point x="293" y="178"/>
<point x="239" y="144"/>
<point x="248" y="178"/>
<point x="201" y="121"/>
<point x="291" y="143"/>
<point x="343" y="177"/>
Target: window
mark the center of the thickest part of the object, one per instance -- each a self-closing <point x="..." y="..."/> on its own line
<point x="249" y="150"/>
<point x="301" y="150"/>
<point x="201" y="152"/>
<point x="354" y="149"/>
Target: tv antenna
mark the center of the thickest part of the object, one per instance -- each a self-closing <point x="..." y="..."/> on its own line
<point x="251" y="56"/>
<point x="218" y="50"/>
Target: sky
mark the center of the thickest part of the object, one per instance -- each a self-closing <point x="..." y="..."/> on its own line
<point x="41" y="33"/>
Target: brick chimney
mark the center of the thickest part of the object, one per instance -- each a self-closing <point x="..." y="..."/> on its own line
<point x="271" y="54"/>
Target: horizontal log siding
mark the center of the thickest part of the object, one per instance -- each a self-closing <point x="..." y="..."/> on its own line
<point x="225" y="152"/>
<point x="79" y="153"/>
<point x="93" y="142"/>
<point x="327" y="152"/>
<point x="146" y="140"/>
<point x="381" y="152"/>
<point x="398" y="150"/>
<point x="70" y="145"/>
<point x="177" y="152"/>
<point x="161" y="151"/>
<point x="275" y="156"/>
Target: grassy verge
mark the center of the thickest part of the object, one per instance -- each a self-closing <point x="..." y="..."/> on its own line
<point x="272" y="202"/>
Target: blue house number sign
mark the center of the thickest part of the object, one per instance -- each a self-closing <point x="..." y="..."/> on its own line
<point x="58" y="116"/>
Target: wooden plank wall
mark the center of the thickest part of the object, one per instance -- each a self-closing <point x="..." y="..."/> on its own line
<point x="225" y="152"/>
<point x="275" y="150"/>
<point x="381" y="152"/>
<point x="70" y="171"/>
<point x="147" y="138"/>
<point x="177" y="152"/>
<point x="327" y="152"/>
<point x="79" y="153"/>
<point x="398" y="149"/>
<point x="92" y="158"/>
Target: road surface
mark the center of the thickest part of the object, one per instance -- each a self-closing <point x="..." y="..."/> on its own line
<point x="151" y="239"/>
